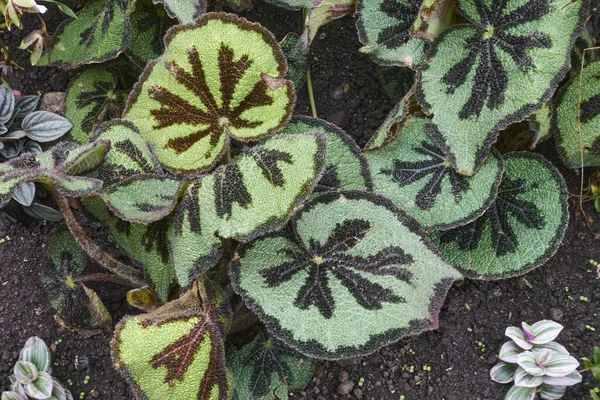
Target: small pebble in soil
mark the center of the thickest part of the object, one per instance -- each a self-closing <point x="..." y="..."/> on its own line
<point x="345" y="388"/>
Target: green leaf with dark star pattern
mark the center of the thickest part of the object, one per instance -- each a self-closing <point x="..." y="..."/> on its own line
<point x="520" y="231"/>
<point x="100" y="33"/>
<point x="350" y="256"/>
<point x="92" y="100"/>
<point x="497" y="69"/>
<point x="188" y="103"/>
<point x="265" y="368"/>
<point x="414" y="173"/>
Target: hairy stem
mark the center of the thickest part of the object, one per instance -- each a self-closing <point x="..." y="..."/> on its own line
<point x="127" y="273"/>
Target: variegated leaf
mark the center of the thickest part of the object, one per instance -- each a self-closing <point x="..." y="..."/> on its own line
<point x="36" y="352"/>
<point x="520" y="231"/>
<point x="520" y="393"/>
<point x="91" y="100"/>
<point x="189" y="102"/>
<point x="541" y="123"/>
<point x="576" y="119"/>
<point x="416" y="175"/>
<point x="503" y="372"/>
<point x="497" y="69"/>
<point x="292" y="4"/>
<point x="177" y="351"/>
<point x="100" y="33"/>
<point x="349" y="254"/>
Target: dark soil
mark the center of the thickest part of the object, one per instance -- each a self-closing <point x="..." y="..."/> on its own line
<point x="472" y="323"/>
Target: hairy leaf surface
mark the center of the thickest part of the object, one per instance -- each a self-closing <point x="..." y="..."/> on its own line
<point x="100" y="33"/>
<point x="143" y="198"/>
<point x="266" y="367"/>
<point x="66" y="261"/>
<point x="177" y="351"/>
<point x="384" y="28"/>
<point x="349" y="254"/>
<point x="292" y="4"/>
<point x="415" y="174"/>
<point x="346" y="167"/>
<point x="91" y="100"/>
<point x="579" y="104"/>
<point x="189" y="102"/>
<point x="541" y="124"/>
<point x="149" y="24"/>
<point x="54" y="167"/>
<point x="500" y="68"/>
<point x="184" y="10"/>
<point x="520" y="231"/>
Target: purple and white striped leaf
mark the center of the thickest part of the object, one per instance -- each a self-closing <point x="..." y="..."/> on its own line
<point x="503" y="372"/>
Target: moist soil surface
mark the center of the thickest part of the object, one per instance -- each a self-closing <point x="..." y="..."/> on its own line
<point x="451" y="363"/>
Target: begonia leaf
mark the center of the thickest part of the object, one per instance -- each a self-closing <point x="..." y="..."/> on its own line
<point x="149" y="23"/>
<point x="520" y="231"/>
<point x="92" y="100"/>
<point x="189" y="102"/>
<point x="391" y="126"/>
<point x="266" y="366"/>
<point x="384" y="29"/>
<point x="177" y="351"/>
<point x="346" y="167"/>
<point x="292" y="4"/>
<point x="349" y="254"/>
<point x="415" y="174"/>
<point x="498" y="69"/>
<point x="576" y="119"/>
<point x="100" y="33"/>
<point x="184" y="10"/>
<point x="66" y="261"/>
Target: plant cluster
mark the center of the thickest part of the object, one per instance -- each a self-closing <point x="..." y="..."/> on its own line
<point x="32" y="377"/>
<point x="535" y="363"/>
<point x="238" y="217"/>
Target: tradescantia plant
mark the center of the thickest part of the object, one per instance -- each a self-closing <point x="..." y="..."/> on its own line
<point x="32" y="377"/>
<point x="536" y="364"/>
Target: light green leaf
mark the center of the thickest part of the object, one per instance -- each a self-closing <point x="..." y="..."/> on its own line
<point x="149" y="24"/>
<point x="177" y="351"/>
<point x="579" y="145"/>
<point x="520" y="231"/>
<point x="100" y="33"/>
<point x="13" y="396"/>
<point x="266" y="366"/>
<point x="384" y="29"/>
<point x="552" y="392"/>
<point x="189" y="102"/>
<point x="545" y="331"/>
<point x="346" y="167"/>
<point x="561" y="365"/>
<point x="414" y="173"/>
<point x="503" y="372"/>
<point x="142" y="198"/>
<point x="349" y="253"/>
<point x="36" y="352"/>
<point x="91" y="100"/>
<point x="541" y="123"/>
<point x="524" y="379"/>
<point x="483" y="76"/>
<point x="184" y="10"/>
